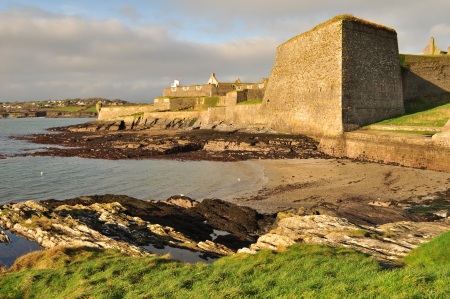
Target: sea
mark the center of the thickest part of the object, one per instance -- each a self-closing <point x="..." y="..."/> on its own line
<point x="40" y="178"/>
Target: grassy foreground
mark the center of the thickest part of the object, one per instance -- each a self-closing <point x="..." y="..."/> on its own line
<point x="302" y="271"/>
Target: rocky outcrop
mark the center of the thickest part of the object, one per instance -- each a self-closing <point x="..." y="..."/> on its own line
<point x="85" y="141"/>
<point x="129" y="224"/>
<point x="387" y="242"/>
<point x="4" y="237"/>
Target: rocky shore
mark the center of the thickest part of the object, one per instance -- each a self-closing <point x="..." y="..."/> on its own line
<point x="212" y="227"/>
<point x="382" y="210"/>
<point x="106" y="140"/>
<point x="129" y="224"/>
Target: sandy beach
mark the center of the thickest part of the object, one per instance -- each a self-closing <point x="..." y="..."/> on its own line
<point x="294" y="183"/>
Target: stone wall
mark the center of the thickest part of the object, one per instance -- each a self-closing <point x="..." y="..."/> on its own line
<point x="164" y="103"/>
<point x="303" y="94"/>
<point x="247" y="115"/>
<point x="403" y="149"/>
<point x="204" y="90"/>
<point x="341" y="74"/>
<point x="371" y="75"/>
<point x="114" y="112"/>
<point x="425" y="75"/>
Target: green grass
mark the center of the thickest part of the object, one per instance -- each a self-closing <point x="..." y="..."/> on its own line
<point x="68" y="109"/>
<point x="428" y="112"/>
<point x="427" y="133"/>
<point x="211" y="102"/>
<point x="75" y="109"/>
<point x="302" y="271"/>
<point x="92" y="109"/>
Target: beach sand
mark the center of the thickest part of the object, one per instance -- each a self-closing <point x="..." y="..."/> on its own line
<point x="293" y="183"/>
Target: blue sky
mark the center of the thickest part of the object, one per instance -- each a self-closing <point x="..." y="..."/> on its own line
<point x="133" y="49"/>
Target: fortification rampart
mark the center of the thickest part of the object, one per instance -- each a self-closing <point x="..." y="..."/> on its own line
<point x="342" y="74"/>
<point x="403" y="149"/>
<point x="203" y="90"/>
<point x="425" y="75"/>
<point x="114" y="112"/>
<point x="371" y="76"/>
<point x="304" y="88"/>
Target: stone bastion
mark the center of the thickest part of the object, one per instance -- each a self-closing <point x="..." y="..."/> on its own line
<point x="342" y="74"/>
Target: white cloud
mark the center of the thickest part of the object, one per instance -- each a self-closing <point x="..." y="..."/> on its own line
<point x="440" y="29"/>
<point x="69" y="53"/>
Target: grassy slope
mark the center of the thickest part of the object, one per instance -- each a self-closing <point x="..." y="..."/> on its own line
<point x="302" y="271"/>
<point x="429" y="112"/>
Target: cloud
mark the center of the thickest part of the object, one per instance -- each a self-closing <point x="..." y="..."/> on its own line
<point x="48" y="56"/>
<point x="130" y="12"/>
<point x="137" y="50"/>
<point x="440" y="29"/>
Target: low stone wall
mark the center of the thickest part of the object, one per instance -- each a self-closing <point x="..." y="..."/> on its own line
<point x="425" y="75"/>
<point x="143" y="115"/>
<point x="115" y="112"/>
<point x="247" y="115"/>
<point x="403" y="149"/>
<point x="216" y="114"/>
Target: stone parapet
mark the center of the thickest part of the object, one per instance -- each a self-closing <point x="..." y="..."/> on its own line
<point x="403" y="149"/>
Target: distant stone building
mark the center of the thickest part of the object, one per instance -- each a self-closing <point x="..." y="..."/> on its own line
<point x="432" y="49"/>
<point x="342" y="74"/>
<point x="178" y="97"/>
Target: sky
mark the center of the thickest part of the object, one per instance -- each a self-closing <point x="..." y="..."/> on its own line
<point x="131" y="50"/>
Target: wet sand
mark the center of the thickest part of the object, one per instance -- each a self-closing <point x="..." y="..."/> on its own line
<point x="294" y="183"/>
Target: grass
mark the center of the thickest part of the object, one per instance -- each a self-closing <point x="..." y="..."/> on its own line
<point x="426" y="133"/>
<point x="92" y="109"/>
<point x="301" y="271"/>
<point x="75" y="109"/>
<point x="250" y="102"/>
<point x="68" y="109"/>
<point x="211" y="102"/>
<point x="427" y="112"/>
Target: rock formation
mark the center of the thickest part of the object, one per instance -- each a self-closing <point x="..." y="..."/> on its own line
<point x="4" y="237"/>
<point x="129" y="224"/>
<point x="387" y="242"/>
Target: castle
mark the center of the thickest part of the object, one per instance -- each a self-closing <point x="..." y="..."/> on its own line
<point x="345" y="72"/>
<point x="335" y="78"/>
<point x="179" y="97"/>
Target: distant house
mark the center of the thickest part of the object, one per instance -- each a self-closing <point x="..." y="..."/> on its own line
<point x="432" y="49"/>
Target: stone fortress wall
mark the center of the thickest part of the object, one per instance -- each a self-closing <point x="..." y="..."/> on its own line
<point x="425" y="75"/>
<point x="340" y="75"/>
<point x="371" y="76"/>
<point x="304" y="84"/>
<point x="343" y="74"/>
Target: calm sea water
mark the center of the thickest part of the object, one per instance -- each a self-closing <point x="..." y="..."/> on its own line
<point x="24" y="178"/>
<point x="39" y="178"/>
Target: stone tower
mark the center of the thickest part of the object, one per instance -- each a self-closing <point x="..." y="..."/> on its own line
<point x="340" y="75"/>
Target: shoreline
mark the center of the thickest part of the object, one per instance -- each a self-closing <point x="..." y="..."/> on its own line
<point x="298" y="175"/>
<point x="306" y="183"/>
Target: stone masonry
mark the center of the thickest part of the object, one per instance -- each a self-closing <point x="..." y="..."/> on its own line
<point x="342" y="74"/>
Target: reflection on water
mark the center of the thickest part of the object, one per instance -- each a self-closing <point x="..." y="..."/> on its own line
<point x="9" y="252"/>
